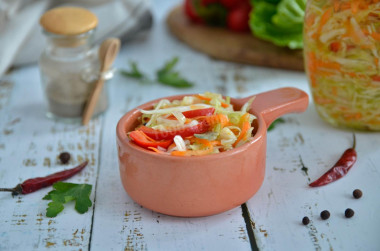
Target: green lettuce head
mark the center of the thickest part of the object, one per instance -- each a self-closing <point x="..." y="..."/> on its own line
<point x="279" y="21"/>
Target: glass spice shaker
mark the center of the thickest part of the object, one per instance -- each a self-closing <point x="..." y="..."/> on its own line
<point x="69" y="65"/>
<point x="342" y="52"/>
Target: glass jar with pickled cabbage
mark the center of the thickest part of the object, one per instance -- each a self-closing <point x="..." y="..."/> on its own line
<point x="341" y="51"/>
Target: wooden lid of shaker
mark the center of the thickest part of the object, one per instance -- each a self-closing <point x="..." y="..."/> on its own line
<point x="68" y="20"/>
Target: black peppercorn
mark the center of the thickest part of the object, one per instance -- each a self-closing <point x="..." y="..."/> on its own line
<point x="325" y="215"/>
<point x="64" y="157"/>
<point x="357" y="193"/>
<point x="305" y="220"/>
<point x="349" y="213"/>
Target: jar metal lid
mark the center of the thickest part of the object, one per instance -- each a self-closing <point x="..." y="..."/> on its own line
<point x="68" y="20"/>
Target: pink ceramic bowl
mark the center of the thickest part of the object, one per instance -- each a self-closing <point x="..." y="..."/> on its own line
<point x="202" y="185"/>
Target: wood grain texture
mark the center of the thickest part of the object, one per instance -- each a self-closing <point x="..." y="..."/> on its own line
<point x="223" y="44"/>
<point x="30" y="147"/>
<point x="286" y="197"/>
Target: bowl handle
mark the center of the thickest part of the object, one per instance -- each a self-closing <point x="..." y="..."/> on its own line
<point x="275" y="103"/>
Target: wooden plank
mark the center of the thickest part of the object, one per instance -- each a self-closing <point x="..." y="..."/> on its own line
<point x="237" y="47"/>
<point x="285" y="197"/>
<point x="30" y="144"/>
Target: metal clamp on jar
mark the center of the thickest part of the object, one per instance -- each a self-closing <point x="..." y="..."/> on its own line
<point x="69" y="65"/>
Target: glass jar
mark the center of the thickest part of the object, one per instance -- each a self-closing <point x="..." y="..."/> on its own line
<point x="341" y="51"/>
<point x="69" y="68"/>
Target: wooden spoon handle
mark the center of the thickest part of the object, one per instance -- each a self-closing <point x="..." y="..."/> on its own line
<point x="107" y="54"/>
<point x="92" y="100"/>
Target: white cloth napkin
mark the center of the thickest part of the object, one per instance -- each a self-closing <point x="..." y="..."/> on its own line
<point x="21" y="38"/>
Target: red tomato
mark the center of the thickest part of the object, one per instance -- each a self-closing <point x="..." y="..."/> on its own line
<point x="376" y="78"/>
<point x="207" y="2"/>
<point x="335" y="46"/>
<point x="238" y="18"/>
<point x="201" y="127"/>
<point x="199" y="112"/>
<point x="230" y="4"/>
<point x="191" y="13"/>
<point x="143" y="140"/>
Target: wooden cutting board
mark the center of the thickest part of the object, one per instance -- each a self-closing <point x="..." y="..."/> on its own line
<point x="223" y="44"/>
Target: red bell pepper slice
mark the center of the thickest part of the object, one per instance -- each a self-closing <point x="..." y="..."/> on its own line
<point x="376" y="78"/>
<point x="191" y="12"/>
<point x="141" y="139"/>
<point x="199" y="112"/>
<point x="185" y="131"/>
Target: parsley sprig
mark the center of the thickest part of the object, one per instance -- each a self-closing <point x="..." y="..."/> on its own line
<point x="166" y="75"/>
<point x="275" y="123"/>
<point x="134" y="71"/>
<point x="64" y="192"/>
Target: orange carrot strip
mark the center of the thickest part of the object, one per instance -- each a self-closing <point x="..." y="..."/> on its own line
<point x="224" y="105"/>
<point x="244" y="129"/>
<point x="310" y="19"/>
<point x="328" y="65"/>
<point x="146" y="136"/>
<point x="216" y="119"/>
<point x="355" y="7"/>
<point x="203" y="141"/>
<point x="354" y="116"/>
<point x="155" y="149"/>
<point x="336" y="5"/>
<point x="311" y="58"/>
<point x="376" y="61"/>
<point x="344" y="6"/>
<point x="178" y="153"/>
<point x="325" y="17"/>
<point x="324" y="73"/>
<point x="376" y="36"/>
<point x="193" y="152"/>
<point x="311" y="66"/>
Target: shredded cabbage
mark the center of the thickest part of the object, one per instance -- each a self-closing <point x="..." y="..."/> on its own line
<point x="180" y="117"/>
<point x="342" y="44"/>
<point x="180" y="143"/>
<point x="225" y="124"/>
<point x="207" y="135"/>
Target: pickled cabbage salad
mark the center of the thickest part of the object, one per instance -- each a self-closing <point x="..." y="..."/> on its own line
<point x="194" y="126"/>
<point x="342" y="46"/>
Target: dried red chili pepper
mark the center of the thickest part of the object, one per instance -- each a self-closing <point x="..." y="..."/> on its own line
<point x="31" y="185"/>
<point x="344" y="164"/>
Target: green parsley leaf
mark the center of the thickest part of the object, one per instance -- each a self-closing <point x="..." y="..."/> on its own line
<point x="168" y="66"/>
<point x="65" y="192"/>
<point x="134" y="72"/>
<point x="167" y="76"/>
<point x="175" y="80"/>
<point x="53" y="209"/>
<point x="275" y="123"/>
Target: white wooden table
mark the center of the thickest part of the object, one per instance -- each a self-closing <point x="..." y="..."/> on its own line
<point x="271" y="220"/>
